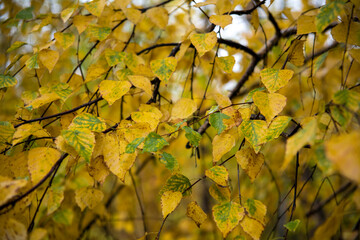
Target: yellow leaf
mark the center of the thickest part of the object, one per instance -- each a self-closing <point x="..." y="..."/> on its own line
<point x="221" y="145"/>
<point x="133" y="15"/>
<point x="98" y="170"/>
<point x="252" y="227"/>
<point x="300" y="139"/>
<point x="113" y="90"/>
<point x="115" y="157"/>
<point x="306" y="24"/>
<point x="169" y="201"/>
<point x="195" y="212"/>
<point x="330" y="227"/>
<point x="344" y="151"/>
<point x="269" y="104"/>
<point x="226" y="63"/>
<point x="44" y="99"/>
<point x="339" y="33"/>
<point x="221" y="20"/>
<point x="95" y="7"/>
<point x="146" y="117"/>
<point x="11" y="229"/>
<point x="296" y="52"/>
<point x="274" y="79"/>
<point x="55" y="198"/>
<point x="40" y="161"/>
<point x="254" y="21"/>
<point x="163" y="68"/>
<point x="218" y="174"/>
<point x="67" y="12"/>
<point x="223" y="6"/>
<point x="250" y="162"/>
<point x="183" y="108"/>
<point x="203" y="42"/>
<point x="222" y="100"/>
<point x="81" y="22"/>
<point x="355" y="53"/>
<point x="208" y="2"/>
<point x="9" y="188"/>
<point x="256" y="210"/>
<point x="142" y="83"/>
<point x="39" y="234"/>
<point x="88" y="197"/>
<point x="49" y="58"/>
<point x="159" y="16"/>
<point x="64" y="39"/>
<point x="26" y="130"/>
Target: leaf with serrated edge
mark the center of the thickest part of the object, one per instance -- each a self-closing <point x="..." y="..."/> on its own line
<point x="113" y="90"/>
<point x="252" y="227"/>
<point x="222" y="144"/>
<point x="227" y="216"/>
<point x="220" y="194"/>
<point x="154" y="142"/>
<point x="183" y="108"/>
<point x="255" y="132"/>
<point x="169" y="201"/>
<point x="169" y="161"/>
<point x="221" y="20"/>
<point x="256" y="210"/>
<point x="88" y="121"/>
<point x="88" y="197"/>
<point x="159" y="16"/>
<point x="7" y="81"/>
<point x="82" y="140"/>
<point x="274" y="79"/>
<point x="95" y="7"/>
<point x="216" y="120"/>
<point x="195" y="212"/>
<point x="203" y="42"/>
<point x="276" y="127"/>
<point x="163" y="68"/>
<point x="64" y="39"/>
<point x="142" y="83"/>
<point x="193" y="136"/>
<point x="269" y="104"/>
<point x="250" y="162"/>
<point x="328" y="13"/>
<point x="218" y="174"/>
<point x="177" y="183"/>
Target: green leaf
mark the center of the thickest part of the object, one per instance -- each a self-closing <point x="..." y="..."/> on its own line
<point x="63" y="90"/>
<point x="177" y="183"/>
<point x="276" y="127"/>
<point x="292" y="226"/>
<point x="154" y="142"/>
<point x="15" y="46"/>
<point x="193" y="136"/>
<point x="7" y="81"/>
<point x="274" y="79"/>
<point x="131" y="147"/>
<point x="348" y="98"/>
<point x="82" y="140"/>
<point x="88" y="121"/>
<point x="250" y="206"/>
<point x="226" y="63"/>
<point x="254" y="132"/>
<point x="64" y="216"/>
<point x="328" y="13"/>
<point x="216" y="120"/>
<point x="98" y="33"/>
<point x="33" y="62"/>
<point x="227" y="216"/>
<point x="170" y="162"/>
<point x="220" y="194"/>
<point x="25" y="14"/>
<point x="114" y="57"/>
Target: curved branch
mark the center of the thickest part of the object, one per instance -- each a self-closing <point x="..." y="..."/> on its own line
<point x="238" y="46"/>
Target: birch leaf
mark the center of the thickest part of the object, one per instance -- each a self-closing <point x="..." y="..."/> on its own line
<point x="274" y="79"/>
<point x="183" y="108"/>
<point x="195" y="212"/>
<point x="218" y="174"/>
<point x="88" y="197"/>
<point x="203" y="42"/>
<point x="221" y="20"/>
<point x="227" y="216"/>
<point x="222" y="144"/>
<point x="159" y="16"/>
<point x="250" y="162"/>
<point x="163" y="68"/>
<point x="169" y="201"/>
<point x="113" y="90"/>
<point x="269" y="104"/>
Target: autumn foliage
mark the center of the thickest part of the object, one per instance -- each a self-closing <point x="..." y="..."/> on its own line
<point x="180" y="119"/>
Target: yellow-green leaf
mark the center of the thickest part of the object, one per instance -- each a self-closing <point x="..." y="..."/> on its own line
<point x="221" y="20"/>
<point x="40" y="161"/>
<point x="250" y="162"/>
<point x="226" y="63"/>
<point x="169" y="201"/>
<point x="227" y="216"/>
<point x="98" y="33"/>
<point x="15" y="46"/>
<point x="64" y="39"/>
<point x="222" y="144"/>
<point x="255" y="132"/>
<point x="300" y="139"/>
<point x="220" y="194"/>
<point x="195" y="212"/>
<point x="269" y="104"/>
<point x="256" y="210"/>
<point x="344" y="151"/>
<point x="95" y="7"/>
<point x="159" y="16"/>
<point x="7" y="81"/>
<point x="274" y="79"/>
<point x="218" y="174"/>
<point x="183" y="108"/>
<point x="88" y="121"/>
<point x="328" y="13"/>
<point x="348" y="98"/>
<point x="163" y="68"/>
<point x="33" y="62"/>
<point x="203" y="42"/>
<point x="114" y="57"/>
<point x="177" y="183"/>
<point x="82" y="140"/>
<point x="276" y="127"/>
<point x="142" y="83"/>
<point x="55" y="198"/>
<point x="67" y="12"/>
<point x="113" y="90"/>
<point x="49" y="58"/>
<point x="88" y="197"/>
